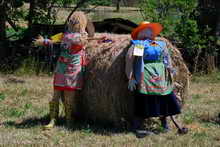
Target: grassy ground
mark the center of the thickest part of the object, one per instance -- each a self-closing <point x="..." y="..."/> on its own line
<point x="97" y="14"/>
<point x="24" y="109"/>
<point x="100" y="13"/>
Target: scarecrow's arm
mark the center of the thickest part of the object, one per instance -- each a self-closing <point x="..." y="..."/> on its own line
<point x="41" y="41"/>
<point x="129" y="63"/>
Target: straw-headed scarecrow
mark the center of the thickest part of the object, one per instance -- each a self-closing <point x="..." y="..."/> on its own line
<point x="68" y="75"/>
<point x="149" y="70"/>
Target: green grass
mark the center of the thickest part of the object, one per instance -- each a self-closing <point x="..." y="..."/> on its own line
<point x="203" y="78"/>
<point x="101" y="13"/>
<point x="97" y="14"/>
<point x="24" y="109"/>
<point x="130" y="14"/>
<point x="2" y="96"/>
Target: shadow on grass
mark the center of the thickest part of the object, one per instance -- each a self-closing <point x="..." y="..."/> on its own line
<point x="13" y="80"/>
<point x="27" y="123"/>
<point x="85" y="127"/>
<point x="206" y="118"/>
<point x="79" y="125"/>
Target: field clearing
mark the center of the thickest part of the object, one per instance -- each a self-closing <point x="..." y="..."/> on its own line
<point x="24" y="109"/>
<point x="98" y="13"/>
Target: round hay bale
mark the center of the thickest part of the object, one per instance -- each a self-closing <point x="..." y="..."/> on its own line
<point x="106" y="97"/>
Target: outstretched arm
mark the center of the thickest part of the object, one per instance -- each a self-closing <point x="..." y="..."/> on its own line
<point x="41" y="41"/>
<point x="129" y="62"/>
<point x="129" y="69"/>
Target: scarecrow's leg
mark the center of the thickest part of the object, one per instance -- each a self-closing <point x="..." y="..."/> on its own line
<point x="54" y="109"/>
<point x="164" y="123"/>
<point x="137" y="123"/>
<point x="70" y="106"/>
<point x="139" y="129"/>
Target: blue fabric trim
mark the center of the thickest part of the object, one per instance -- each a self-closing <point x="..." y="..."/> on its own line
<point x="138" y="69"/>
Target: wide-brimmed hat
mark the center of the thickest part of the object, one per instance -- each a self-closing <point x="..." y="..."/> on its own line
<point x="156" y="28"/>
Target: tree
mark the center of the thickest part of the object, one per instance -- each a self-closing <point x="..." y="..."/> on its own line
<point x="31" y="14"/>
<point x="181" y="21"/>
<point x="211" y="14"/>
<point x="5" y="8"/>
<point x="210" y="18"/>
<point x="2" y="21"/>
<point x="118" y="5"/>
<point x="2" y="29"/>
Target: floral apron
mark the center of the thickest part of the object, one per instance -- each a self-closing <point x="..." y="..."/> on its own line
<point x="70" y="67"/>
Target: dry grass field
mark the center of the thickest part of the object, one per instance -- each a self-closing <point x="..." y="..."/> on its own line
<point x="100" y="12"/>
<point x="95" y="13"/>
<point x="24" y="109"/>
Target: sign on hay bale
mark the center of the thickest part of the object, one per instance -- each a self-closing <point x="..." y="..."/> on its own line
<point x="105" y="95"/>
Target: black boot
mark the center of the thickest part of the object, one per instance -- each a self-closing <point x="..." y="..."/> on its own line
<point x="164" y="124"/>
<point x="136" y="124"/>
<point x="139" y="131"/>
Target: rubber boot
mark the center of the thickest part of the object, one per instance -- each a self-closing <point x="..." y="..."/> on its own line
<point x="164" y="124"/>
<point x="54" y="111"/>
<point x="69" y="107"/>
<point x="69" y="115"/>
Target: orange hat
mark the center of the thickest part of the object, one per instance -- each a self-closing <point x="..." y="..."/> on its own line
<point x="156" y="28"/>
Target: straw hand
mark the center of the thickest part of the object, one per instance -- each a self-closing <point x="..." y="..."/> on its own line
<point x="39" y="41"/>
<point x="132" y="84"/>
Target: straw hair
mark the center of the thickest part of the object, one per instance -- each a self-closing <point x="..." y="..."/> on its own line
<point x="77" y="22"/>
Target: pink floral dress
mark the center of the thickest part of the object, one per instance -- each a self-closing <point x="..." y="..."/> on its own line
<point x="70" y="65"/>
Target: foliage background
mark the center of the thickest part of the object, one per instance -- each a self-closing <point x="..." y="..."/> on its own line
<point x="181" y="20"/>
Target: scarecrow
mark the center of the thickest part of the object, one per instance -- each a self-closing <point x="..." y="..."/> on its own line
<point x="68" y="75"/>
<point x="149" y="70"/>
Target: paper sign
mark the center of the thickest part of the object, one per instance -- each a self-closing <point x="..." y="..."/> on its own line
<point x="138" y="50"/>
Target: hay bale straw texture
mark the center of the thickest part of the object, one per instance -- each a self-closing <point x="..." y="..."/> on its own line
<point x="106" y="97"/>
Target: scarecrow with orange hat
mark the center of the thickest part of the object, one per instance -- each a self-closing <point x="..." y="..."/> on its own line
<point x="149" y="70"/>
<point x="68" y="76"/>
